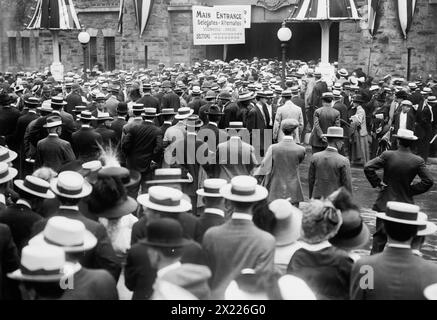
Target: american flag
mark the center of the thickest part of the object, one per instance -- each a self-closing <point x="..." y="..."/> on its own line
<point x="373" y="7"/>
<point x="406" y="10"/>
<point x="55" y="15"/>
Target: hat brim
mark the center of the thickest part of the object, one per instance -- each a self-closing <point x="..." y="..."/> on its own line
<point x="153" y="182"/>
<point x="92" y="118"/>
<point x="53" y="124"/>
<point x="89" y="242"/>
<point x="12" y="173"/>
<point x="261" y="193"/>
<point x="413" y="138"/>
<point x="59" y="104"/>
<point x="246" y="99"/>
<point x="383" y="216"/>
<point x="185" y="116"/>
<point x="167" y="114"/>
<point x="12" y="156"/>
<point x="202" y="193"/>
<point x="430" y="229"/>
<point x="18" y="275"/>
<point x="86" y="190"/>
<point x="123" y="209"/>
<point x="332" y="136"/>
<point x="356" y="242"/>
<point x="184" y="205"/>
<point x="48" y="195"/>
<point x="184" y="242"/>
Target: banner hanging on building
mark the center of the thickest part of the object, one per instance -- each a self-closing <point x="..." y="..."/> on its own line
<point x="406" y="9"/>
<point x="247" y="13"/>
<point x="374" y="16"/>
<point x="215" y="26"/>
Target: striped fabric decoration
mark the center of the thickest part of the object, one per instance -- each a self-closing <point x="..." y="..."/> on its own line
<point x="55" y="15"/>
<point x="406" y="9"/>
<point x="325" y="10"/>
<point x="373" y="11"/>
<point x="143" y="9"/>
<point x="120" y="17"/>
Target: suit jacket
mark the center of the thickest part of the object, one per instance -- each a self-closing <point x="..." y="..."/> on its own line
<point x="164" y="127"/>
<point x="203" y="112"/>
<point x="150" y="102"/>
<point x="73" y="100"/>
<point x="400" y="169"/>
<point x="171" y="100"/>
<point x="53" y="152"/>
<point x="341" y="107"/>
<point x="111" y="106"/>
<point x="196" y="103"/>
<point x="231" y="114"/>
<point x="411" y="121"/>
<point x="397" y="274"/>
<point x="9" y="261"/>
<point x="243" y="245"/>
<point x="102" y="256"/>
<point x="8" y="120"/>
<point x="92" y="285"/>
<point x="85" y="144"/>
<point x="323" y="119"/>
<point x="68" y="124"/>
<point x="288" y="111"/>
<point x="280" y="167"/>
<point x="117" y="125"/>
<point x="109" y="136"/>
<point x="256" y="120"/>
<point x="21" y="127"/>
<point x="328" y="171"/>
<point x="320" y="87"/>
<point x="219" y="135"/>
<point x="206" y="222"/>
<point x="142" y="144"/>
<point x="20" y="220"/>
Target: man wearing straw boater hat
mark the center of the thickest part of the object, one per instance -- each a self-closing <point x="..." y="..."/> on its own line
<point x="239" y="240"/>
<point x="58" y="103"/>
<point x="329" y="170"/>
<point x="177" y="131"/>
<point x="400" y="169"/>
<point x="86" y="140"/>
<point x="74" y="239"/>
<point x="53" y="152"/>
<point x="397" y="273"/>
<point x="70" y="188"/>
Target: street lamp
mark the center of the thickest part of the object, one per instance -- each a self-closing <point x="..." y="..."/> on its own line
<point x="284" y="35"/>
<point x="84" y="38"/>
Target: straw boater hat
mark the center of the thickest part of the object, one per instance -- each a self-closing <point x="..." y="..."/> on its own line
<point x="168" y="176"/>
<point x="165" y="199"/>
<point x="70" y="184"/>
<point x="86" y="115"/>
<point x="320" y="222"/>
<point x="246" y="96"/>
<point x="150" y="112"/>
<point x="42" y="263"/>
<point x="165" y="112"/>
<point x="403" y="213"/>
<point x="7" y="155"/>
<point x="334" y="132"/>
<point x="211" y="188"/>
<point x="104" y="116"/>
<point x="289" y="221"/>
<point x="194" y="121"/>
<point x="184" y="113"/>
<point x="58" y="101"/>
<point x="405" y="135"/>
<point x="244" y="189"/>
<point x="428" y="228"/>
<point x="35" y="186"/>
<point x="7" y="173"/>
<point x="68" y="234"/>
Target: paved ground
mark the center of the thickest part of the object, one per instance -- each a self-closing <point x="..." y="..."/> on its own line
<point x="366" y="196"/>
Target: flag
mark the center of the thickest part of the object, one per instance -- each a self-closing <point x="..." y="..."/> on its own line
<point x="406" y="10"/>
<point x="120" y="17"/>
<point x="55" y="15"/>
<point x="325" y="10"/>
<point x="143" y="8"/>
<point x="373" y="12"/>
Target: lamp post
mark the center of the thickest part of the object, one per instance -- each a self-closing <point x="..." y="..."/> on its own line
<point x="284" y="35"/>
<point x="84" y="38"/>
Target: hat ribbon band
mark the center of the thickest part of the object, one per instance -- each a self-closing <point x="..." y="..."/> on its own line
<point x="211" y="190"/>
<point x="401" y="215"/>
<point x="168" y="177"/>
<point x="69" y="192"/>
<point x="39" y="272"/>
<point x="4" y="156"/>
<point x="4" y="174"/>
<point x="242" y="193"/>
<point x="52" y="242"/>
<point x="34" y="187"/>
<point x="165" y="202"/>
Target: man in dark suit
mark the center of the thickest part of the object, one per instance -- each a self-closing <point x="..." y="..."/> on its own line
<point x="258" y="118"/>
<point x="211" y="130"/>
<point x="120" y="121"/>
<point x="148" y="100"/>
<point x="229" y="108"/>
<point x="170" y="99"/>
<point x="400" y="169"/>
<point x="300" y="102"/>
<point x="329" y="170"/>
<point x="8" y="116"/>
<point x="239" y="240"/>
<point x="9" y="261"/>
<point x="196" y="102"/>
<point x="86" y="140"/>
<point x="53" y="152"/>
<point x="68" y="126"/>
<point x="324" y="118"/>
<point x="213" y="214"/>
<point x="71" y="188"/>
<point x="315" y="100"/>
<point x="406" y="119"/>
<point x="344" y="120"/>
<point x="424" y="121"/>
<point x="396" y="273"/>
<point x="73" y="100"/>
<point x="109" y="137"/>
<point x="167" y="117"/>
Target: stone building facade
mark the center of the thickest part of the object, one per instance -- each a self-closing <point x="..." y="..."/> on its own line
<point x="168" y="38"/>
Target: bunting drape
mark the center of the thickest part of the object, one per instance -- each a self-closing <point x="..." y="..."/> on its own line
<point x="143" y="9"/>
<point x="120" y="17"/>
<point x="325" y="10"/>
<point x="55" y="15"/>
<point x="406" y="9"/>
<point x="373" y="12"/>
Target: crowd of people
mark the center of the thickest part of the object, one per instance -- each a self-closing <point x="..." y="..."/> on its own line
<point x="184" y="182"/>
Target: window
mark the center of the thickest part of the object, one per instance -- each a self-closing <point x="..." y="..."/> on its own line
<point x="93" y="52"/>
<point x="25" y="47"/>
<point x="12" y="50"/>
<point x="110" y="53"/>
<point x="146" y="63"/>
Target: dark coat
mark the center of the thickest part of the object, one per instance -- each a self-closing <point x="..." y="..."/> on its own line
<point x="344" y="119"/>
<point x="231" y="114"/>
<point x="8" y="120"/>
<point x="21" y="127"/>
<point x="205" y="222"/>
<point x="411" y="121"/>
<point x="397" y="274"/>
<point x="400" y="169"/>
<point x="196" y="104"/>
<point x="316" y="96"/>
<point x="117" y="125"/>
<point x="255" y="120"/>
<point x="9" y="260"/>
<point x="323" y="119"/>
<point x="109" y="136"/>
<point x="220" y="135"/>
<point x="85" y="144"/>
<point x="140" y="145"/>
<point x="102" y="256"/>
<point x="53" y="152"/>
<point x="20" y="220"/>
<point x="171" y="100"/>
<point x="73" y="100"/>
<point x="150" y="102"/>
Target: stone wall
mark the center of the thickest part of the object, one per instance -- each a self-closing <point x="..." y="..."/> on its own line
<point x="388" y="51"/>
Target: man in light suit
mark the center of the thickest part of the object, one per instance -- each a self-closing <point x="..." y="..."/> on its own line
<point x="329" y="170"/>
<point x="398" y="274"/>
<point x="239" y="240"/>
<point x="324" y="118"/>
<point x="288" y="111"/>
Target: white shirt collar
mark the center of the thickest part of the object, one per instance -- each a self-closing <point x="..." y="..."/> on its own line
<point x="75" y="208"/>
<point x="332" y="148"/>
<point x="417" y="253"/>
<point x="149" y="121"/>
<point x="399" y="246"/>
<point x="53" y="134"/>
<point x="235" y="138"/>
<point x="316" y="247"/>
<point x="213" y="123"/>
<point x="168" y="122"/>
<point x="24" y="203"/>
<point x="241" y="216"/>
<point x="32" y="111"/>
<point x="216" y="211"/>
<point x="138" y="118"/>
<point x="163" y="271"/>
<point x="86" y="126"/>
<point x="2" y="198"/>
<point x="122" y="118"/>
<point x="56" y="111"/>
<point x="288" y="138"/>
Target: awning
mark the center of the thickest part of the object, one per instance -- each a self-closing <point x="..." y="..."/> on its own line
<point x="319" y="10"/>
<point x="55" y="15"/>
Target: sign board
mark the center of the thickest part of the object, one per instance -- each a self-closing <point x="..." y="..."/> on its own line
<point x="215" y="26"/>
<point x="247" y="13"/>
<point x="57" y="70"/>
